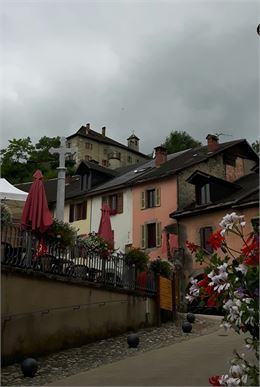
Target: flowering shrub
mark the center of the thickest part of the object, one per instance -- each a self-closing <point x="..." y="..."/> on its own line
<point x="94" y="243"/>
<point x="232" y="282"/>
<point x="6" y="215"/>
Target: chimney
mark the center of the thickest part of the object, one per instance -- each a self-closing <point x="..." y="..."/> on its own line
<point x="87" y="128"/>
<point x="213" y="144"/>
<point x="160" y="155"/>
<point x="104" y="131"/>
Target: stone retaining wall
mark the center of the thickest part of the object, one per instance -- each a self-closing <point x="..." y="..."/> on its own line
<point x="44" y="313"/>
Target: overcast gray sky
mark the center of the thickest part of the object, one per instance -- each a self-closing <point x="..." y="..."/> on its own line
<point x="147" y="66"/>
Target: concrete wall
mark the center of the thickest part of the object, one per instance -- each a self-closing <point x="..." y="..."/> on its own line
<point x="122" y="224"/>
<point x="41" y="314"/>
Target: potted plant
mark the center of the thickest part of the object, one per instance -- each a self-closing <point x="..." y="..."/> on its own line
<point x="6" y="215"/>
<point x="161" y="267"/>
<point x="96" y="244"/>
<point x="61" y="234"/>
<point x="138" y="258"/>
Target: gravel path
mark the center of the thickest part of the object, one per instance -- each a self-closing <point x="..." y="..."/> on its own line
<point x="72" y="361"/>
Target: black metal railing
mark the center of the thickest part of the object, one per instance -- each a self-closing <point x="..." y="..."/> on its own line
<point x="22" y="248"/>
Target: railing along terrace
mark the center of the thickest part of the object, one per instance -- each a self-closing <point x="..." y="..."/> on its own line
<point x="22" y="248"/>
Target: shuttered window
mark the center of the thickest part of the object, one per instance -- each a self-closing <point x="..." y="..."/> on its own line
<point x="115" y="203"/>
<point x="150" y="235"/>
<point x="78" y="211"/>
<point x="150" y="198"/>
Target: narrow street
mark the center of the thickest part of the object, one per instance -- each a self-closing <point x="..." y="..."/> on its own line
<point x="187" y="363"/>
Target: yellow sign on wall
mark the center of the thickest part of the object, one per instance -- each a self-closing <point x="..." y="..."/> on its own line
<point x="165" y="293"/>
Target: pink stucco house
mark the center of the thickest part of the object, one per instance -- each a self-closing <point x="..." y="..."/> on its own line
<point x="164" y="187"/>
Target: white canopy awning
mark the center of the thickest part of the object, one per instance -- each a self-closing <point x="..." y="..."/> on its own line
<point x="10" y="192"/>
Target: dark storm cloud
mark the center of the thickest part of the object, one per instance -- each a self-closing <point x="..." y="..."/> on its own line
<point x="151" y="67"/>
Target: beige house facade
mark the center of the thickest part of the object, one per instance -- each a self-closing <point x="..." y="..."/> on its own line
<point x="104" y="150"/>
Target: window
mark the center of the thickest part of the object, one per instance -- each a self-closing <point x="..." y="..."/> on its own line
<point x="151" y="198"/>
<point x="83" y="182"/>
<point x="255" y="224"/>
<point x="129" y="159"/>
<point x="205" y="233"/>
<point x="88" y="145"/>
<point x="68" y="144"/>
<point x="115" y="203"/>
<point x="78" y="211"/>
<point x="203" y="194"/>
<point x="150" y="235"/>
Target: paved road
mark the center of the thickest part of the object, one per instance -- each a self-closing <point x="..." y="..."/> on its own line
<point x="188" y="363"/>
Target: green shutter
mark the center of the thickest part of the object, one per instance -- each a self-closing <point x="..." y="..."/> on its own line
<point x="158" y="197"/>
<point x="120" y="203"/>
<point x="71" y="215"/>
<point x="143" y="237"/>
<point x="158" y="234"/>
<point x="143" y="204"/>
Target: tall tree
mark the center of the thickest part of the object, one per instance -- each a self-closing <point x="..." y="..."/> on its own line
<point x="180" y="140"/>
<point x="21" y="159"/>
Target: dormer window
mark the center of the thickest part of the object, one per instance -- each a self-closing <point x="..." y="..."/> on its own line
<point x="210" y="189"/>
<point x="204" y="194"/>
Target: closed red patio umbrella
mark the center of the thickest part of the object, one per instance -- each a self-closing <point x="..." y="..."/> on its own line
<point x="36" y="214"/>
<point x="105" y="229"/>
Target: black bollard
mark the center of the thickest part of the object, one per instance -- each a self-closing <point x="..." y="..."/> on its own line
<point x="190" y="317"/>
<point x="29" y="367"/>
<point x="186" y="327"/>
<point x="132" y="340"/>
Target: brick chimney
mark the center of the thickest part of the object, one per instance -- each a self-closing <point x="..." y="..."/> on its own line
<point x="87" y="128"/>
<point x="213" y="144"/>
<point x="104" y="131"/>
<point x="160" y="155"/>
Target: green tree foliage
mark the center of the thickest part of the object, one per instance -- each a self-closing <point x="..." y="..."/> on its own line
<point x="180" y="140"/>
<point x="255" y="146"/>
<point x="21" y="159"/>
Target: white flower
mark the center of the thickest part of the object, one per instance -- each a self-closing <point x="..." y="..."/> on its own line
<point x="189" y="298"/>
<point x="229" y="220"/>
<point x="226" y="380"/>
<point x="243" y="268"/>
<point x="236" y="371"/>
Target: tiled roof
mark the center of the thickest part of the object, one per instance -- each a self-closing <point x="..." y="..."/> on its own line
<point x="98" y="168"/>
<point x="93" y="135"/>
<point x="174" y="164"/>
<point x="132" y="175"/>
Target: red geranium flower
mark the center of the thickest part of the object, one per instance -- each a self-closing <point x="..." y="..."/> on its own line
<point x="212" y="300"/>
<point x="251" y="251"/>
<point x="214" y="380"/>
<point x="203" y="283"/>
<point x="216" y="239"/>
<point x="192" y="247"/>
